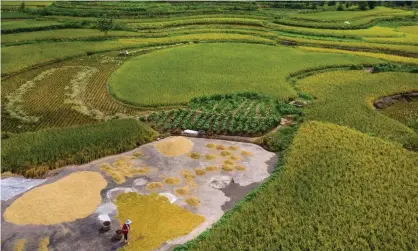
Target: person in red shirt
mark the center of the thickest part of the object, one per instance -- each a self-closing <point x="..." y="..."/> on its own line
<point x="125" y="230"/>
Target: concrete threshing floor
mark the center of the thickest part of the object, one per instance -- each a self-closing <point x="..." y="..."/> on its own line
<point x="85" y="234"/>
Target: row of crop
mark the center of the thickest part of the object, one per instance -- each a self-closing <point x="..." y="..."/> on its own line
<point x="26" y="152"/>
<point x="404" y="50"/>
<point x="383" y="56"/>
<point x="46" y="27"/>
<point x="355" y="24"/>
<point x="210" y="122"/>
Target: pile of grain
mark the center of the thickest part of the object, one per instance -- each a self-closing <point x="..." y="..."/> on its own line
<point x="182" y="191"/>
<point x="164" y="221"/>
<point x="210" y="156"/>
<point x="174" y="146"/>
<point x="43" y="244"/>
<point x="199" y="171"/>
<point x="193" y="201"/>
<point x="154" y="185"/>
<point x="240" y="168"/>
<point x="70" y="198"/>
<point x="121" y="169"/>
<point x="227" y="168"/>
<point x="211" y="168"/>
<point x="171" y="180"/>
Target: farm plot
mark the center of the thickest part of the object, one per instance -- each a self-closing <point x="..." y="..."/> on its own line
<point x="335" y="19"/>
<point x="338" y="189"/>
<point x="169" y="77"/>
<point x="349" y="94"/>
<point x="69" y="93"/>
<point x="220" y="114"/>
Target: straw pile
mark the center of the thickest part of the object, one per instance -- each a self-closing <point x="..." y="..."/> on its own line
<point x="70" y="198"/>
<point x="175" y="146"/>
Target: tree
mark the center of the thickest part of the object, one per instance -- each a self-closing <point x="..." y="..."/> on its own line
<point x="331" y="3"/>
<point x="105" y="24"/>
<point x="371" y="4"/>
<point x="340" y="7"/>
<point x="22" y="6"/>
<point x="362" y="5"/>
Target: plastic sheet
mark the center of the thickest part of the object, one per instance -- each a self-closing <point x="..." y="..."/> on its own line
<point x="12" y="186"/>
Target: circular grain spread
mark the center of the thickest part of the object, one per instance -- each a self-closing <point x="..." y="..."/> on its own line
<point x="73" y="197"/>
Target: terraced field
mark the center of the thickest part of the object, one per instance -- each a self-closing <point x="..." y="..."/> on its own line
<point x="298" y="78"/>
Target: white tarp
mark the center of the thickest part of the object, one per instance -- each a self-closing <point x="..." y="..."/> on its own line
<point x="13" y="186"/>
<point x="191" y="132"/>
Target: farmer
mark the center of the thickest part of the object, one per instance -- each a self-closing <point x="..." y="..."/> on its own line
<point x="125" y="230"/>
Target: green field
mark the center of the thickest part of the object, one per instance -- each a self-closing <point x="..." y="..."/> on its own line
<point x="354" y="108"/>
<point x="337" y="189"/>
<point x="170" y="76"/>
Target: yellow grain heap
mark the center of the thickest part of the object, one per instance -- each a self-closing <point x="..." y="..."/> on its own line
<point x="240" y="168"/>
<point x="199" y="171"/>
<point x="225" y="153"/>
<point x="122" y="169"/>
<point x="211" y="168"/>
<point x="210" y="156"/>
<point x="194" y="155"/>
<point x="20" y="245"/>
<point x="174" y="146"/>
<point x="228" y="162"/>
<point x="193" y="201"/>
<point x="210" y="145"/>
<point x="246" y="153"/>
<point x="234" y="157"/>
<point x="220" y="147"/>
<point x="182" y="191"/>
<point x="154" y="185"/>
<point x="137" y="154"/>
<point x="43" y="244"/>
<point x="171" y="180"/>
<point x="164" y="221"/>
<point x="73" y="197"/>
<point x="233" y="148"/>
<point x="189" y="178"/>
<point x="227" y="168"/>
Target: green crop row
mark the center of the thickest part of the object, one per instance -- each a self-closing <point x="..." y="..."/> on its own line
<point x="403" y="50"/>
<point x="74" y="145"/>
<point x="338" y="189"/>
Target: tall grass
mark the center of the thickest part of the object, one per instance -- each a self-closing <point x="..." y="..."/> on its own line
<point x="74" y="145"/>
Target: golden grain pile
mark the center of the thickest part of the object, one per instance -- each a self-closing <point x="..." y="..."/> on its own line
<point x="122" y="169"/>
<point x="174" y="146"/>
<point x="43" y="244"/>
<point x="154" y="220"/>
<point x="73" y="197"/>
